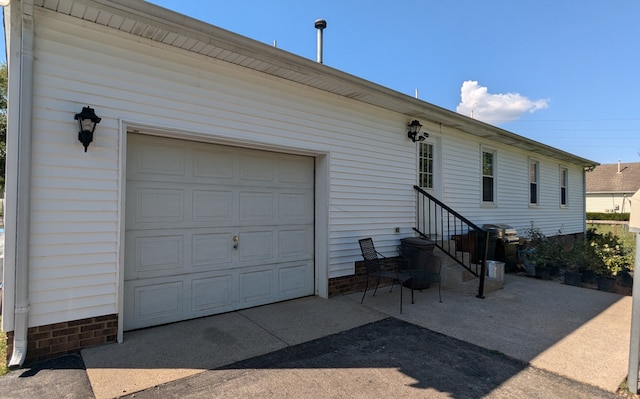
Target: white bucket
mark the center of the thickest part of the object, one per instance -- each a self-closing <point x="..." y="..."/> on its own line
<point x="495" y="270"/>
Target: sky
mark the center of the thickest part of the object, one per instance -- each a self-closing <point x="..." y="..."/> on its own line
<point x="560" y="72"/>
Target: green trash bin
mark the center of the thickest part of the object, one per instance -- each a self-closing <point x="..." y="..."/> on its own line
<point x="493" y="233"/>
<point x="417" y="251"/>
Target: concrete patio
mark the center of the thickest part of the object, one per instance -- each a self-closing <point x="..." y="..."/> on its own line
<point x="578" y="333"/>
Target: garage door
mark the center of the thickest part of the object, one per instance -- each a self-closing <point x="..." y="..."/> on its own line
<point x="211" y="229"/>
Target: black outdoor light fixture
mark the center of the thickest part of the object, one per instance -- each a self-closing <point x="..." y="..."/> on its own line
<point x="87" y="121"/>
<point x="414" y="131"/>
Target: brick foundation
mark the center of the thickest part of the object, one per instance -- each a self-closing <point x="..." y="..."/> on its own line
<point x="353" y="283"/>
<point x="348" y="284"/>
<point x="45" y="342"/>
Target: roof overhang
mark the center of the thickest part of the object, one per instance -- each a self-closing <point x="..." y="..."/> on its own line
<point x="158" y="24"/>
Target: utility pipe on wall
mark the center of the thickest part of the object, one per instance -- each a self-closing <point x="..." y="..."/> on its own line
<point x="320" y="24"/>
<point x="21" y="24"/>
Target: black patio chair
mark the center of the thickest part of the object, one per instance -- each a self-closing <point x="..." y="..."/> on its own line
<point x="436" y="276"/>
<point x="378" y="266"/>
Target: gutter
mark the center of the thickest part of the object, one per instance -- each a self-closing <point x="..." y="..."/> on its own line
<point x="20" y="59"/>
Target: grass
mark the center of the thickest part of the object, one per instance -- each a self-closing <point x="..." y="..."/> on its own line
<point x="3" y="352"/>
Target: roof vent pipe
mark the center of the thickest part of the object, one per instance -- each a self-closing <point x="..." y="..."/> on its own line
<point x="320" y="24"/>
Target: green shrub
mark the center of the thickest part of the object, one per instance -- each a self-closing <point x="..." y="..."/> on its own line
<point x="603" y="253"/>
<point x="608" y="216"/>
<point x="542" y="250"/>
<point x="607" y="254"/>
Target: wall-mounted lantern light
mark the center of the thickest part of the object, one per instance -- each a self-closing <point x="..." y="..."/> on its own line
<point x="87" y="121"/>
<point x="414" y="132"/>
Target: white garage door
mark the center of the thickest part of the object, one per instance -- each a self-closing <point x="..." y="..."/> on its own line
<point x="211" y="229"/>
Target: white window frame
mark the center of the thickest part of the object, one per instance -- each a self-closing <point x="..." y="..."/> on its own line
<point x="427" y="174"/>
<point x="492" y="176"/>
<point x="564" y="186"/>
<point x="534" y="180"/>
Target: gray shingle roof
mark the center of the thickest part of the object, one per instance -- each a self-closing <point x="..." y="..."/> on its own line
<point x="614" y="178"/>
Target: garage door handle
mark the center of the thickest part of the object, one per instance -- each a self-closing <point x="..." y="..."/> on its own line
<point x="235" y="240"/>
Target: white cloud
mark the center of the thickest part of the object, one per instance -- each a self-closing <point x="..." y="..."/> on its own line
<point x="478" y="103"/>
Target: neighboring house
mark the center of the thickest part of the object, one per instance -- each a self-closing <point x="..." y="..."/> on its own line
<point x="224" y="173"/>
<point x="611" y="186"/>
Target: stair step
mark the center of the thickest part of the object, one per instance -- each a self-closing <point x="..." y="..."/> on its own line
<point x="456" y="278"/>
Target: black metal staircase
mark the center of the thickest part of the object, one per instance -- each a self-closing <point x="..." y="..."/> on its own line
<point x="455" y="235"/>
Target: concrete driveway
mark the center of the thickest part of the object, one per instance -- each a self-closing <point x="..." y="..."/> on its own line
<point x="533" y="338"/>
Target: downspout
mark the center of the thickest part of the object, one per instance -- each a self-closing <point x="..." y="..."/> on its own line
<point x="584" y="198"/>
<point x="22" y="15"/>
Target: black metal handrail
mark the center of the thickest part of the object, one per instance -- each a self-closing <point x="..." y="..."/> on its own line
<point x="443" y="225"/>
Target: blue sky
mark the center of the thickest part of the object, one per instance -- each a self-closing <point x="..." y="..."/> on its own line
<point x="560" y="72"/>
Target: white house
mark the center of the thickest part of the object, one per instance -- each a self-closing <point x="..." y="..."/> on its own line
<point x="610" y="187"/>
<point x="224" y="173"/>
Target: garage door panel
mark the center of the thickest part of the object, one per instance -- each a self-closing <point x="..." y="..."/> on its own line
<point x="212" y="249"/>
<point x="216" y="164"/>
<point x="294" y="279"/>
<point x="160" y="159"/>
<point x="256" y="245"/>
<point x="254" y="168"/>
<point x="295" y="207"/>
<point x="298" y="171"/>
<point x="212" y="205"/>
<point x="256" y="207"/>
<point x="210" y="293"/>
<point x="256" y="285"/>
<point x="156" y="303"/>
<point x="295" y="243"/>
<point x="159" y="252"/>
<point x="154" y="255"/>
<point x="159" y="205"/>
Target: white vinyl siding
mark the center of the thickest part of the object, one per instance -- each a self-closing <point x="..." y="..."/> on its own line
<point x="461" y="165"/>
<point x="76" y="194"/>
<point x="367" y="164"/>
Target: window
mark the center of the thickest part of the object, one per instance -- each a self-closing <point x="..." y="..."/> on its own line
<point x="564" y="175"/>
<point x="534" y="171"/>
<point x="425" y="175"/>
<point x="488" y="176"/>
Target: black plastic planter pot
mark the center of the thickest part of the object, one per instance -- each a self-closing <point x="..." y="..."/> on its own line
<point x="572" y="278"/>
<point x="606" y="283"/>
<point x="543" y="273"/>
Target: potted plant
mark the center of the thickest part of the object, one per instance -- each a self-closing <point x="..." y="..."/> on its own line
<point x="575" y="263"/>
<point x="537" y="251"/>
<point x="557" y="255"/>
<point x="609" y="258"/>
